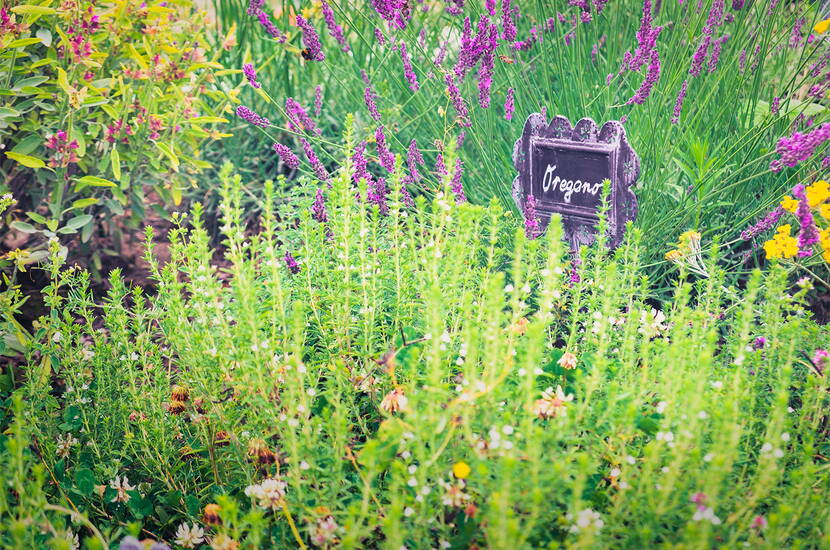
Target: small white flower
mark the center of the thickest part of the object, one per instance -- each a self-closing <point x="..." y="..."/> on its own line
<point x="708" y="457"/>
<point x="630" y="459"/>
<point x="507" y="430"/>
<point x="189" y="536"/>
<point x="412" y="469"/>
<point x="412" y="482"/>
<point x="304" y="465"/>
<point x="661" y="406"/>
<point x="766" y="447"/>
<point x="311" y="392"/>
<point x="508" y="288"/>
<point x="121" y="486"/>
<point x="717" y="384"/>
<point x="615" y="472"/>
<point x="785" y="436"/>
<point x="702" y="415"/>
<point x="408" y="511"/>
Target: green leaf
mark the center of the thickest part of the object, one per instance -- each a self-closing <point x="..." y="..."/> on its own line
<point x="93" y="181"/>
<point x="85" y="481"/>
<point x="45" y="36"/>
<point x="115" y="160"/>
<point x="27" y="144"/>
<point x="78" y="221"/>
<point x="83" y="203"/>
<point x="6" y="112"/>
<point x="202" y="119"/>
<point x="33" y="10"/>
<point x="31" y="81"/>
<point x="26" y="160"/>
<point x="34" y="216"/>
<point x="23" y="227"/>
<point x="168" y="152"/>
<point x="22" y="42"/>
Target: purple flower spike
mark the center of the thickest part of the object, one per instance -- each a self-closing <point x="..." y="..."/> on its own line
<point x="318" y="100"/>
<point x="369" y="98"/>
<point x="287" y="155"/>
<point x="509" y="106"/>
<point x="507" y="24"/>
<point x="387" y="159"/>
<point x="298" y="118"/>
<point x="334" y="29"/>
<point x="408" y="71"/>
<point x="360" y="164"/>
<point x="809" y="235"/>
<point x="678" y="104"/>
<point x="251" y="117"/>
<point x="376" y="194"/>
<point x="799" y="147"/>
<point x="310" y="40"/>
<point x="269" y="27"/>
<point x="457" y="101"/>
<point x="318" y="209"/>
<point x="456" y="186"/>
<point x="291" y="263"/>
<point x="532" y="223"/>
<point x="766" y="223"/>
<point x="318" y="167"/>
<point x="250" y="74"/>
<point x="413" y="159"/>
<point x="651" y="79"/>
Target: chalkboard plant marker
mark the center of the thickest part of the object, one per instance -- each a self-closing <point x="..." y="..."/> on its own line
<point x="563" y="166"/>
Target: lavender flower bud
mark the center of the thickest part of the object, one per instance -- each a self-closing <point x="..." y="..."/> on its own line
<point x="456" y="186"/>
<point x="334" y="29"/>
<point x="291" y="263"/>
<point x="250" y="74"/>
<point x="408" y="71"/>
<point x="287" y="155"/>
<point x="678" y="104"/>
<point x="318" y="208"/>
<point x="316" y="165"/>
<point x="369" y="98"/>
<point x="509" y="106"/>
<point x="387" y="159"/>
<point x="310" y="40"/>
<point x="251" y="117"/>
<point x="413" y="159"/>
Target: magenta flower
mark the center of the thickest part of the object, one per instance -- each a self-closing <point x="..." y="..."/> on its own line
<point x="490" y="6"/>
<point x="716" y="48"/>
<point x="318" y="208"/>
<point x="765" y="224"/>
<point x="387" y="159"/>
<point x="369" y="98"/>
<point x="455" y="185"/>
<point x="299" y="119"/>
<point x="379" y="37"/>
<point x="533" y="224"/>
<point x="251" y="117"/>
<point x="459" y="140"/>
<point x="64" y="149"/>
<point x="318" y="100"/>
<point x="316" y="165"/>
<point x="821" y="359"/>
<point x="413" y="159"/>
<point x="440" y="167"/>
<point x="408" y="71"/>
<point x="507" y="24"/>
<point x="652" y="76"/>
<point x="809" y="234"/>
<point x="775" y="106"/>
<point x="442" y="53"/>
<point x="509" y="106"/>
<point x="406" y="198"/>
<point x="250" y="74"/>
<point x="255" y="6"/>
<point x="461" y="113"/>
<point x="376" y="192"/>
<point x="360" y="163"/>
<point x="269" y="27"/>
<point x="291" y="263"/>
<point x="334" y="29"/>
<point x="678" y="104"/>
<point x="799" y="147"/>
<point x="287" y="155"/>
<point x="310" y="40"/>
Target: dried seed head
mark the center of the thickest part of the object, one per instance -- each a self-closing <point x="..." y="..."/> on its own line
<point x="176" y="407"/>
<point x="211" y="515"/>
<point x="259" y="452"/>
<point x="221" y="438"/>
<point x="180" y="393"/>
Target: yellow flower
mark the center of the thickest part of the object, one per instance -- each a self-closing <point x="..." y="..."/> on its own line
<point x="822" y="26"/>
<point x="817" y="193"/>
<point x="782" y="245"/>
<point x="825" y="211"/>
<point x="674" y="255"/>
<point x="461" y="470"/>
<point x="789" y="204"/>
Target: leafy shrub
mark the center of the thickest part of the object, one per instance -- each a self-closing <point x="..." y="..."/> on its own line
<point x="368" y="374"/>
<point x="103" y="103"/>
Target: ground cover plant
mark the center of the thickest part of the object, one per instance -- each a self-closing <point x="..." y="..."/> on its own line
<point x="351" y="338"/>
<point x="374" y="374"/>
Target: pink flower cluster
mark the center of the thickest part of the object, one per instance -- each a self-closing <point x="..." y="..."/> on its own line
<point x="799" y="147"/>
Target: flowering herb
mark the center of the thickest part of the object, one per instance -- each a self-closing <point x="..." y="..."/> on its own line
<point x="335" y="29"/>
<point x="533" y="225"/>
<point x="409" y="72"/>
<point x="251" y="117"/>
<point x="250" y="74"/>
<point x="291" y="263"/>
<point x="313" y="51"/>
<point x="387" y="159"/>
<point x="318" y="208"/>
<point x="287" y="155"/>
<point x="509" y="106"/>
<point x="455" y="185"/>
<point x="316" y="165"/>
<point x="369" y="98"/>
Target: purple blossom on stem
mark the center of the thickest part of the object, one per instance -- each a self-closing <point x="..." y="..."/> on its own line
<point x="318" y="208"/>
<point x="250" y="74"/>
<point x="379" y="37"/>
<point x="269" y="27"/>
<point x="255" y="6"/>
<point x="442" y="53"/>
<point x="376" y="194"/>
<point x="318" y="100"/>
<point x="440" y="167"/>
<point x="298" y="118"/>
<point x="387" y="159"/>
<point x="335" y="29"/>
<point x="251" y="117"/>
<point x="408" y="71"/>
<point x="759" y="343"/>
<point x="287" y="155"/>
<point x="678" y="104"/>
<point x="369" y="98"/>
<point x="490" y="6"/>
<point x="716" y="48"/>
<point x="737" y="4"/>
<point x="651" y="78"/>
<point x="455" y="7"/>
<point x="316" y="165"/>
<point x="799" y="147"/>
<point x="457" y="188"/>
<point x="461" y="112"/>
<point x="742" y="61"/>
<point x="406" y="197"/>
<point x="459" y="140"/>
<point x="509" y="105"/>
<point x="646" y="40"/>
<point x="700" y="55"/>
<point x="360" y="163"/>
<point x="413" y="159"/>
<point x="809" y="234"/>
<point x="507" y="24"/>
<point x="532" y="222"/>
<point x="775" y="106"/>
<point x="766" y="223"/>
<point x="310" y="40"/>
<point x="291" y="263"/>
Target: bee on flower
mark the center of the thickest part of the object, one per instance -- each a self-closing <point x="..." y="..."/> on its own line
<point x="552" y="404"/>
<point x="211" y="514"/>
<point x="259" y="452"/>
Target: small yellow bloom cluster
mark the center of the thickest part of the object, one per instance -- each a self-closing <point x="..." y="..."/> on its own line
<point x="782" y="245"/>
<point x="688" y="253"/>
<point x="822" y="26"/>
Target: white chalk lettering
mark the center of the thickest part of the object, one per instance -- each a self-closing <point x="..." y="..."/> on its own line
<point x="567" y="187"/>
